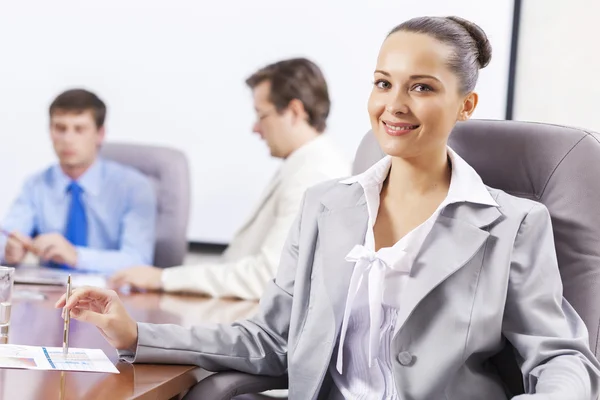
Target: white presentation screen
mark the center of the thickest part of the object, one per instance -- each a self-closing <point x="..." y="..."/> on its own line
<point x="172" y="73"/>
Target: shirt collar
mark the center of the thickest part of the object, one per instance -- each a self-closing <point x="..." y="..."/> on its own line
<point x="90" y="181"/>
<point x="465" y="184"/>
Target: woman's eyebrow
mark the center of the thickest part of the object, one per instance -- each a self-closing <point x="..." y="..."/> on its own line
<point x="412" y="77"/>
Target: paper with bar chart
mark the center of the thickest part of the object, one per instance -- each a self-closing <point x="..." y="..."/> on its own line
<point x="52" y="358"/>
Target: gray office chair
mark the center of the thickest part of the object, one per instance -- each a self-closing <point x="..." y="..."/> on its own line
<point x="555" y="165"/>
<point x="168" y="169"/>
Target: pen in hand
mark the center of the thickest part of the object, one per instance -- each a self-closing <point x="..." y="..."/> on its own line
<point x="67" y="318"/>
<point x="26" y="246"/>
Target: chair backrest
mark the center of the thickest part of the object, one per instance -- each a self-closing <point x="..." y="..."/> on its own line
<point x="169" y="171"/>
<point x="557" y="166"/>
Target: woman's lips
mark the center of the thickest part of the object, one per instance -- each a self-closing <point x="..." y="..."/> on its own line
<point x="398" y="128"/>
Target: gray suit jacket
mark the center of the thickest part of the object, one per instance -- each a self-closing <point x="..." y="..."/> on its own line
<point x="485" y="274"/>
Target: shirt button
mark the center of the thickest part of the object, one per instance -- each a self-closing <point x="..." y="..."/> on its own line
<point x="405" y="358"/>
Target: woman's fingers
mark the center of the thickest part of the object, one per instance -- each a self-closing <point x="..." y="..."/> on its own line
<point x="84" y="295"/>
<point x="89" y="316"/>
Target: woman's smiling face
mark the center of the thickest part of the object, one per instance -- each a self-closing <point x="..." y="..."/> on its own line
<point x="416" y="99"/>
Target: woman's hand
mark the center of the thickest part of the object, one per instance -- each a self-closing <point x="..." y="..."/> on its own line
<point x="104" y="309"/>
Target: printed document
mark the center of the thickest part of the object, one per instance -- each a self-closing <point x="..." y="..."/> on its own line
<point x="52" y="358"/>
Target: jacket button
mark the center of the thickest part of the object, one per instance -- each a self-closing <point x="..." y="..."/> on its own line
<point x="405" y="358"/>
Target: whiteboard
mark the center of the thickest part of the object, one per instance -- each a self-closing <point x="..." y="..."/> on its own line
<point x="172" y="73"/>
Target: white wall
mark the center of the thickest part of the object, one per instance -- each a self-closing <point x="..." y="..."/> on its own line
<point x="172" y="73"/>
<point x="558" y="63"/>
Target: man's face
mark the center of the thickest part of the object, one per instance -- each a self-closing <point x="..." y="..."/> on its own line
<point x="75" y="137"/>
<point x="273" y="127"/>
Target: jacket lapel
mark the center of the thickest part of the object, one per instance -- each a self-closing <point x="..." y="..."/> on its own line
<point x="290" y="166"/>
<point x="342" y="225"/>
<point x="458" y="233"/>
<point x="454" y="239"/>
<point x="260" y="204"/>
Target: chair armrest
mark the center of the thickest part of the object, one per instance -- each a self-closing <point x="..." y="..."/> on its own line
<point x="225" y="385"/>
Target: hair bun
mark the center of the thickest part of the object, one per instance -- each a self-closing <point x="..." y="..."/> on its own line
<point x="484" y="48"/>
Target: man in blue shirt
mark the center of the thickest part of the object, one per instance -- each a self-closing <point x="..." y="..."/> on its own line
<point x="85" y="212"/>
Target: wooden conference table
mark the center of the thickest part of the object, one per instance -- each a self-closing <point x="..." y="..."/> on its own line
<point x="36" y="322"/>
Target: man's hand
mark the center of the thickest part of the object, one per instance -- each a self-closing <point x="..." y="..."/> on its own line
<point x="104" y="309"/>
<point x="142" y="277"/>
<point x="16" y="248"/>
<point x="54" y="247"/>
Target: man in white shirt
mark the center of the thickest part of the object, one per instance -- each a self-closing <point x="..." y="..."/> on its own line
<point x="292" y="105"/>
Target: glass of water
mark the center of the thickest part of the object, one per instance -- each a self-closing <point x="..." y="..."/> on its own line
<point x="6" y="288"/>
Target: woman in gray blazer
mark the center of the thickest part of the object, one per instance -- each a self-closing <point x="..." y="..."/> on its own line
<point x="402" y="282"/>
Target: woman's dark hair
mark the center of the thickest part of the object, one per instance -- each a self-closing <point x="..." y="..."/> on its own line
<point x="472" y="49"/>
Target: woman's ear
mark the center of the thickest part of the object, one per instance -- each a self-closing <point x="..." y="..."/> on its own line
<point x="468" y="106"/>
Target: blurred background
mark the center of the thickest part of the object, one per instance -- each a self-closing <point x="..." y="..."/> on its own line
<point x="172" y="73"/>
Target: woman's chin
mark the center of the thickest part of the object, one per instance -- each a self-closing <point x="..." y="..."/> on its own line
<point x="394" y="148"/>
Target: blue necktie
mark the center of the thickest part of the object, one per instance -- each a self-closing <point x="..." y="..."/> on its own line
<point x="76" y="230"/>
<point x="76" y="227"/>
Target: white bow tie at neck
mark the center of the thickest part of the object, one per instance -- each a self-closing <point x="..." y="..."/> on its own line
<point x="373" y="265"/>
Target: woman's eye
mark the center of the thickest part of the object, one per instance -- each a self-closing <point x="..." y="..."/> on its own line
<point x="422" y="88"/>
<point x="382" y="84"/>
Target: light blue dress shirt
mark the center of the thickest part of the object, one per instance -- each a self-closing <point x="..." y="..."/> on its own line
<point x="120" y="204"/>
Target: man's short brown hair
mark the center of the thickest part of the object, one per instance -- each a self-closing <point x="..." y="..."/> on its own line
<point x="300" y="79"/>
<point x="78" y="101"/>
